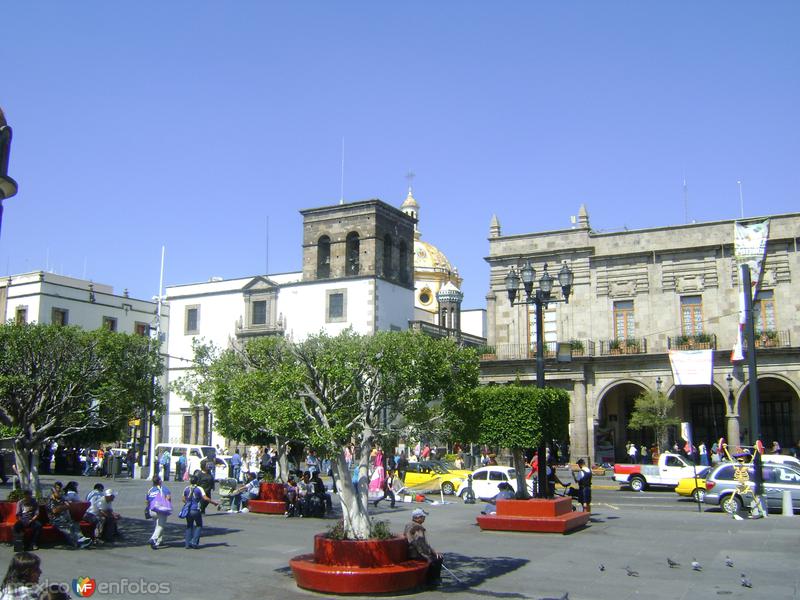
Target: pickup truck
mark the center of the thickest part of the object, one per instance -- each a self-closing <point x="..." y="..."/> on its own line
<point x="671" y="468"/>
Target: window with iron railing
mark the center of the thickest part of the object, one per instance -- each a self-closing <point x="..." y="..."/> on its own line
<point x="623" y="320"/>
<point x="691" y="315"/>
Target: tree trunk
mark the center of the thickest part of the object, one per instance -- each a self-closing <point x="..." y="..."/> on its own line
<point x="21" y="457"/>
<point x="355" y="507"/>
<point x="519" y="466"/>
<point x="35" y="484"/>
<point x="283" y="461"/>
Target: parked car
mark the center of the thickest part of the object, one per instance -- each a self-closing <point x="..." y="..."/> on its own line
<point x="671" y="468"/>
<point x="433" y="475"/>
<point x="462" y="473"/>
<point x="721" y="485"/>
<point x="486" y="479"/>
<point x="694" y="487"/>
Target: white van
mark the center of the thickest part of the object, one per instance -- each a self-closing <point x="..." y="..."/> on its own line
<point x="194" y="455"/>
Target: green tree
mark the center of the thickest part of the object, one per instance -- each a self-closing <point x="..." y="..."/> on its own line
<point x="353" y="388"/>
<point x="651" y="410"/>
<point x="59" y="382"/>
<point x="519" y="417"/>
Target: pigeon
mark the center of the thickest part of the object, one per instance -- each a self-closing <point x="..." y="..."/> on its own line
<point x="746" y="581"/>
<point x="601" y="567"/>
<point x="672" y="564"/>
<point x="696" y="566"/>
<point x="728" y="561"/>
<point x="630" y="572"/>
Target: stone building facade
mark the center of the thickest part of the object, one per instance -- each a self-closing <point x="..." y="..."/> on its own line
<point x="636" y="295"/>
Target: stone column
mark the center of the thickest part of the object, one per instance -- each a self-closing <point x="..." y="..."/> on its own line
<point x="579" y="444"/>
<point x="491" y="318"/>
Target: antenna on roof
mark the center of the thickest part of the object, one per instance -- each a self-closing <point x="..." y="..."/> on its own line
<point x="741" y="198"/>
<point x="266" y="252"/>
<point x="685" y="201"/>
<point x="341" y="197"/>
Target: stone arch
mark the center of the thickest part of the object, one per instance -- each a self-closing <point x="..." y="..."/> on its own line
<point x="323" y="257"/>
<point x="779" y="410"/>
<point x="353" y="253"/>
<point x="611" y="412"/>
<point x="387" y="255"/>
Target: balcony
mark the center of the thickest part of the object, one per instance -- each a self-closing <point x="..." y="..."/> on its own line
<point x="256" y="330"/>
<point x="578" y="348"/>
<point x="700" y="341"/>
<point x="623" y="346"/>
<point x="771" y="339"/>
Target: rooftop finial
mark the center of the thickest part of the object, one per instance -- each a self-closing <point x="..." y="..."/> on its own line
<point x="494" y="227"/>
<point x="583" y="217"/>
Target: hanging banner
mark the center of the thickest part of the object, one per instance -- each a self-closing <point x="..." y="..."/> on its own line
<point x="691" y="367"/>
<point x="686" y="436"/>
<point x="749" y="248"/>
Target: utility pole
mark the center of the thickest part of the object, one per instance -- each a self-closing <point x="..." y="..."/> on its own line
<point x="752" y="371"/>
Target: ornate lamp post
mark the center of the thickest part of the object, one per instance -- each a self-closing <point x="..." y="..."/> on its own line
<point x="540" y="298"/>
<point x="8" y="187"/>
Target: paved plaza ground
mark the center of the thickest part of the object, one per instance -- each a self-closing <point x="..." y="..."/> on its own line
<point x="245" y="556"/>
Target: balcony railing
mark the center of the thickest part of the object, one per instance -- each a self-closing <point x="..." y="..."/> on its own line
<point x="700" y="341"/>
<point x="623" y="346"/>
<point x="525" y="351"/>
<point x="771" y="339"/>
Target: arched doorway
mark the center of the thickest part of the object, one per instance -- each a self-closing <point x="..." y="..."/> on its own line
<point x="779" y="412"/>
<point x="611" y="432"/>
<point x="704" y="407"/>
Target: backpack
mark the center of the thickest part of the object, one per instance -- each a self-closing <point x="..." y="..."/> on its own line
<point x="193" y="496"/>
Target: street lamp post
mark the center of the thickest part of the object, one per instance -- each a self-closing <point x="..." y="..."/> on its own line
<point x="540" y="298"/>
<point x="8" y="187"/>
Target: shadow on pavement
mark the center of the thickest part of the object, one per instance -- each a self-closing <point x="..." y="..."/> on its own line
<point x="137" y="532"/>
<point x="473" y="571"/>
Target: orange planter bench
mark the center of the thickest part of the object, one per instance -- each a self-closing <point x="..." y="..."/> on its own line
<point x="271" y="499"/>
<point x="50" y="535"/>
<point x="537" y="515"/>
<point x="358" y="567"/>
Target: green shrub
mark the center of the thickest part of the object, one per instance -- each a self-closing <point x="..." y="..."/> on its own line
<point x="380" y="531"/>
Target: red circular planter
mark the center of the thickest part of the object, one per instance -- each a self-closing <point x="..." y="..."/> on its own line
<point x="358" y="566"/>
<point x="275" y="492"/>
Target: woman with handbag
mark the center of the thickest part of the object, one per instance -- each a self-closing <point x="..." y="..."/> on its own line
<point x="193" y="495"/>
<point x="159" y="506"/>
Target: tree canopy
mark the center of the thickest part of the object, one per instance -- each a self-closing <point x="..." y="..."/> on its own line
<point x="519" y="417"/>
<point x="57" y="382"/>
<point x="651" y="409"/>
<point x="335" y="390"/>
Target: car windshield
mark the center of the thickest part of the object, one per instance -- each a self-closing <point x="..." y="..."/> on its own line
<point x="208" y="450"/>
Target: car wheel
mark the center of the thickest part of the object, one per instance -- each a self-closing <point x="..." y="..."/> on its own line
<point x="448" y="488"/>
<point x="638" y="484"/>
<point x="732" y="504"/>
<point x="699" y="495"/>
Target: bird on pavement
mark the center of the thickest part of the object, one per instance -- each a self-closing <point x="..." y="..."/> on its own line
<point x="630" y="572"/>
<point x="672" y="564"/>
<point x="696" y="566"/>
<point x="601" y="567"/>
<point x="746" y="581"/>
<point x="728" y="561"/>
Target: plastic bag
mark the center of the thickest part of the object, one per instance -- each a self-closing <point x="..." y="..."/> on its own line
<point x="161" y="505"/>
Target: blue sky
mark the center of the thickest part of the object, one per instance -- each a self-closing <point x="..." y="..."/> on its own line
<point x="188" y="124"/>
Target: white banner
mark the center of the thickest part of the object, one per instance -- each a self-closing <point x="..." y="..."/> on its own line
<point x="691" y="367"/>
<point x="750" y="247"/>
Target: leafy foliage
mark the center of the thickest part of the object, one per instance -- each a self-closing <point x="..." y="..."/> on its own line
<point x="57" y="382"/>
<point x="518" y="416"/>
<point x="332" y="391"/>
<point x="651" y="410"/>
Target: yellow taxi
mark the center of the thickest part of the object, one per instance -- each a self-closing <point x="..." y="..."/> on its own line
<point x="430" y="475"/>
<point x="693" y="488"/>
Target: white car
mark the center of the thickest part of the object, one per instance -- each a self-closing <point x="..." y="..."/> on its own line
<point x="781" y="459"/>
<point x="486" y="479"/>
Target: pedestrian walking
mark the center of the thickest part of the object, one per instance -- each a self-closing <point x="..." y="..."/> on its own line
<point x="387" y="488"/>
<point x="632" y="452"/>
<point x="194" y="496"/>
<point x="164" y="462"/>
<point x="236" y="464"/>
<point x="584" y="479"/>
<point x="159" y="507"/>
